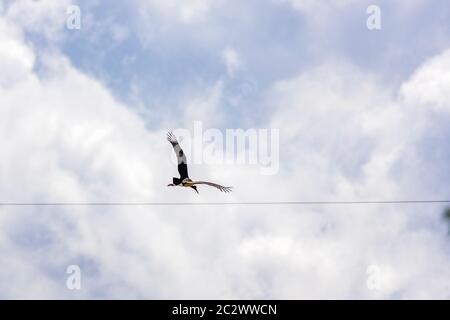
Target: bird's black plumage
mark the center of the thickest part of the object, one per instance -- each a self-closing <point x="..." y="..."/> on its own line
<point x="182" y="162"/>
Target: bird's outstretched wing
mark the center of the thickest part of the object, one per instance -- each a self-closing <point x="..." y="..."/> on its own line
<point x="182" y="162"/>
<point x="215" y="185"/>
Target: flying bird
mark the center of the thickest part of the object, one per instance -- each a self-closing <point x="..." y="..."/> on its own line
<point x="184" y="180"/>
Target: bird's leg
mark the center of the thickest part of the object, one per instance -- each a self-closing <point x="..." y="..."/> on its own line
<point x="195" y="188"/>
<point x="171" y="185"/>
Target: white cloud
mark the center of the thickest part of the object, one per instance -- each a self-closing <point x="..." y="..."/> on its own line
<point x="16" y="59"/>
<point x="119" y="33"/>
<point x="65" y="138"/>
<point x="429" y="85"/>
<point x="311" y="6"/>
<point x="46" y="18"/>
<point x="182" y="11"/>
<point x="345" y="135"/>
<point x="314" y="7"/>
<point x="232" y="61"/>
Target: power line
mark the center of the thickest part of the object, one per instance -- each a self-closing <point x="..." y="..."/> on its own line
<point x="271" y="203"/>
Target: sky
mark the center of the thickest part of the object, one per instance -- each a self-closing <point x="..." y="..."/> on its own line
<point x="360" y="114"/>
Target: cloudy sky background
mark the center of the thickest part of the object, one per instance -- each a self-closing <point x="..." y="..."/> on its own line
<point x="363" y="115"/>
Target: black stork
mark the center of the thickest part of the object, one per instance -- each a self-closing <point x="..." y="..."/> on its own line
<point x="183" y="180"/>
